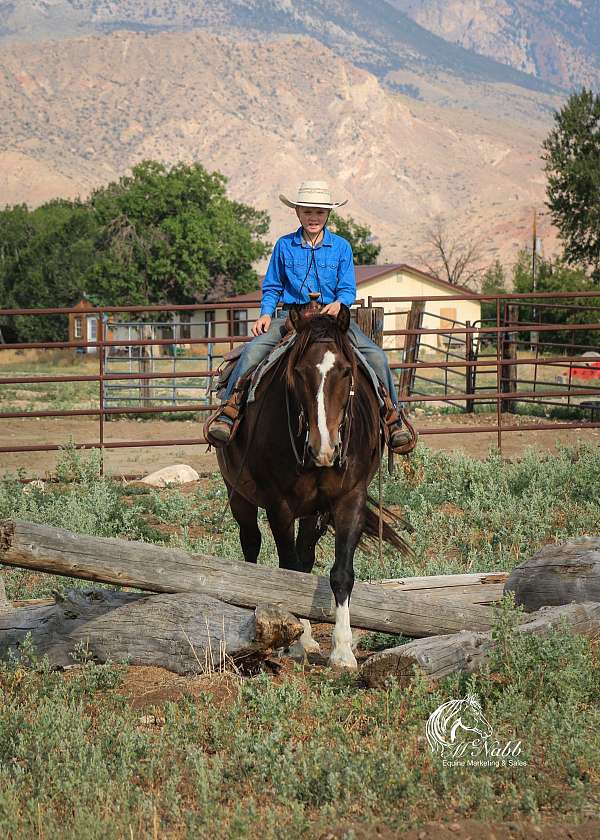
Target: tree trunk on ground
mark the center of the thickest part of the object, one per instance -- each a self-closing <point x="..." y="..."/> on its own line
<point x="440" y="656"/>
<point x="159" y="569"/>
<point x="558" y="574"/>
<point x="472" y="588"/>
<point x="4" y="602"/>
<point x="186" y="633"/>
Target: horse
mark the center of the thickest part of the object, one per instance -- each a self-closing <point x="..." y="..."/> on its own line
<point x="307" y="449"/>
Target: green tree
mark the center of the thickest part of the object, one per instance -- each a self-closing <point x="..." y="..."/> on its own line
<point x="160" y="235"/>
<point x="572" y="165"/>
<point x="557" y="277"/>
<point x="492" y="283"/>
<point x="48" y="256"/>
<point x="168" y="233"/>
<point x="365" y="250"/>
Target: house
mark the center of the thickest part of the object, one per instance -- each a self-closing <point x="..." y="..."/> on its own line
<point x="378" y="281"/>
<point x="84" y="325"/>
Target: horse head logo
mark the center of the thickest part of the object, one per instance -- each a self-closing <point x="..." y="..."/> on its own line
<point x="445" y="724"/>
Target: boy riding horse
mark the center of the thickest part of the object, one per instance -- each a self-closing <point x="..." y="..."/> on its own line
<point x="312" y="259"/>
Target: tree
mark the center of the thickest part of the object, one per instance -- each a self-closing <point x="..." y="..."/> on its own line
<point x="450" y="257"/>
<point x="572" y="165"/>
<point x="493" y="283"/>
<point x="167" y="233"/>
<point x="557" y="277"/>
<point x="157" y="236"/>
<point x="365" y="250"/>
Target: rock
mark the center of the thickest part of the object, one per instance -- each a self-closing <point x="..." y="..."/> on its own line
<point x="176" y="474"/>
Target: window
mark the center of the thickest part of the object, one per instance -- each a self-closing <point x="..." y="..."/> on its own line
<point x="240" y="322"/>
<point x="185" y="325"/>
<point x="77" y="332"/>
<point x="92" y="329"/>
<point x="209" y="323"/>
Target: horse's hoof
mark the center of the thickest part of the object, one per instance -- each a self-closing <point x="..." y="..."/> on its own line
<point x="343" y="659"/>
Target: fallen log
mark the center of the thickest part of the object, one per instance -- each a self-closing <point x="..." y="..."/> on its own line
<point x="4" y="602"/>
<point x="558" y="574"/>
<point x="472" y="588"/>
<point x="158" y="569"/>
<point x="467" y="651"/>
<point x="186" y="633"/>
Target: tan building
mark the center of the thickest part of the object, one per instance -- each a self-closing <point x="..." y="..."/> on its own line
<point x="377" y="281"/>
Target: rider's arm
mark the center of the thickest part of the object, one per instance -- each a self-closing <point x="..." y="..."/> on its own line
<point x="272" y="286"/>
<point x="345" y="291"/>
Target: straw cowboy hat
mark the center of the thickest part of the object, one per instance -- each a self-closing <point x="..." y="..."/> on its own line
<point x="313" y="194"/>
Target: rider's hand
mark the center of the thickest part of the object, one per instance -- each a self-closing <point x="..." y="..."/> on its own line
<point x="331" y="309"/>
<point x="261" y="325"/>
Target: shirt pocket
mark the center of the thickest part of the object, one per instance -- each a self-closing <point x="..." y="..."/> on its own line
<point x="295" y="270"/>
<point x="327" y="269"/>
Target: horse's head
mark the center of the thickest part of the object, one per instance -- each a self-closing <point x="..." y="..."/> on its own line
<point x="321" y="372"/>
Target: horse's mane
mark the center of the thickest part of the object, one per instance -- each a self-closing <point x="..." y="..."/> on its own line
<point x="318" y="328"/>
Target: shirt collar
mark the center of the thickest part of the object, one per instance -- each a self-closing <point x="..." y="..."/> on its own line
<point x="327" y="240"/>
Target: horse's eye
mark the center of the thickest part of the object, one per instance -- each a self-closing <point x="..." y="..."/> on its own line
<point x="346" y="373"/>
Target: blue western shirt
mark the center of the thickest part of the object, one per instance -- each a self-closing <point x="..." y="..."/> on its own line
<point x="294" y="271"/>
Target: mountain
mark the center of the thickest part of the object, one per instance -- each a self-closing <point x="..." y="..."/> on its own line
<point x="554" y="40"/>
<point x="378" y="36"/>
<point x="269" y="112"/>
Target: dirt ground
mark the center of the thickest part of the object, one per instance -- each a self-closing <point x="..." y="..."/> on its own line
<point x="142" y="460"/>
<point x="473" y="830"/>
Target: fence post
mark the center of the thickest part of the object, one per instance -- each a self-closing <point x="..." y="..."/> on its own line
<point x="146" y="364"/>
<point x="470" y="369"/>
<point x="411" y="347"/>
<point x="509" y="353"/>
<point x="370" y="320"/>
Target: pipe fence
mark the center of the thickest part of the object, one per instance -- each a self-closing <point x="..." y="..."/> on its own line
<point x="437" y="360"/>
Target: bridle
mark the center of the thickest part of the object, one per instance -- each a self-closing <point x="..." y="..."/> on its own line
<point x="345" y="427"/>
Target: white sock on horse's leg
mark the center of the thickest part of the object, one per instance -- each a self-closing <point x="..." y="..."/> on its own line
<point x="341" y="653"/>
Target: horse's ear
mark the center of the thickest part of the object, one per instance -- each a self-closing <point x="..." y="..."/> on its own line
<point x="295" y="316"/>
<point x="343" y="318"/>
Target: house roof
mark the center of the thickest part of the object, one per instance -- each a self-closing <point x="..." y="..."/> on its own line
<point x="366" y="273"/>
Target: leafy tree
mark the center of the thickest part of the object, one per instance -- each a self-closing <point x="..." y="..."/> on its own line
<point x="167" y="233"/>
<point x="157" y="236"/>
<point x="48" y="253"/>
<point x="557" y="277"/>
<point x="572" y="165"/>
<point x="493" y="283"/>
<point x="359" y="236"/>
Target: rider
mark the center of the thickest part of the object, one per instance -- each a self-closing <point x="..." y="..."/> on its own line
<point x="312" y="259"/>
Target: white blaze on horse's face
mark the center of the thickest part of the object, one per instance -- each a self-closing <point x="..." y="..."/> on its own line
<point x="326" y="455"/>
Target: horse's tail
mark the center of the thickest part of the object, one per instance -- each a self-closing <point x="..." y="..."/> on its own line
<point x="391" y="523"/>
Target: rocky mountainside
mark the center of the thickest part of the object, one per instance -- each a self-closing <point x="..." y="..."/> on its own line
<point x="378" y="36"/>
<point x="269" y="112"/>
<point x="554" y="40"/>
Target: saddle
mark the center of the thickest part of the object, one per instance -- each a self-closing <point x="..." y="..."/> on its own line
<point x="234" y="408"/>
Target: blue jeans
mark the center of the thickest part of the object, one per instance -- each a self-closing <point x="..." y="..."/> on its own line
<point x="260" y="347"/>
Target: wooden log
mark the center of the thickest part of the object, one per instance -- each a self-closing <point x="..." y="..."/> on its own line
<point x="467" y="651"/>
<point x="473" y="588"/>
<point x="160" y="569"/>
<point x="558" y="574"/>
<point x="186" y="633"/>
<point x="4" y="602"/>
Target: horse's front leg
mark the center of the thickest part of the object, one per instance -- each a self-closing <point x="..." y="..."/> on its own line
<point x="281" y="520"/>
<point x="349" y="519"/>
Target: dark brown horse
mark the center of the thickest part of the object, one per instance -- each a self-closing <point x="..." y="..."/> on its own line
<point x="307" y="449"/>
